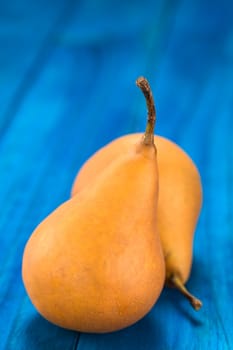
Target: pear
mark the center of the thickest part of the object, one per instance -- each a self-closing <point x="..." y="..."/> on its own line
<point x="179" y="202"/>
<point x="96" y="264"/>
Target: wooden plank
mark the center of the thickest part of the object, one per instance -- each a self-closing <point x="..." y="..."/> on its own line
<point x="26" y="33"/>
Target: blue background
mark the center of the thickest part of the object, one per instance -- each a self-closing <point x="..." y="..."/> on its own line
<point x="67" y="86"/>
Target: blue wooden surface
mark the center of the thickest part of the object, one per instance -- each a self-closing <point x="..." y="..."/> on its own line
<point x="67" y="72"/>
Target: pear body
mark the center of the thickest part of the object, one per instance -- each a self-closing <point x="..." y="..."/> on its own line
<point x="96" y="263"/>
<point x="179" y="202"/>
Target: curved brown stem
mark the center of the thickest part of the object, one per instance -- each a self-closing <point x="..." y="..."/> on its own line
<point x="143" y="84"/>
<point x="176" y="282"/>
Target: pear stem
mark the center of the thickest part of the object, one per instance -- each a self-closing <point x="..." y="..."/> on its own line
<point x="143" y="84"/>
<point x="176" y="282"/>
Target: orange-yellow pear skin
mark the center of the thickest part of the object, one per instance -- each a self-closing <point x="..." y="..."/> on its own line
<point x="96" y="263"/>
<point x="179" y="203"/>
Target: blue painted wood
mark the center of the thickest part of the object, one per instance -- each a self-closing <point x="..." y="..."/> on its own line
<point x="67" y="77"/>
<point x="26" y="34"/>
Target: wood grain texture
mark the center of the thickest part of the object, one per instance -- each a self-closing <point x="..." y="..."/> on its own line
<point x="67" y="73"/>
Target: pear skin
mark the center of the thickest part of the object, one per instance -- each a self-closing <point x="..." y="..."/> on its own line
<point x="96" y="264"/>
<point x="179" y="203"/>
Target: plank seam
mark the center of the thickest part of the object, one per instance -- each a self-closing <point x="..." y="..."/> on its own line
<point x="76" y="342"/>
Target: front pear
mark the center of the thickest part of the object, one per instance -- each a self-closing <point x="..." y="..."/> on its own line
<point x="96" y="264"/>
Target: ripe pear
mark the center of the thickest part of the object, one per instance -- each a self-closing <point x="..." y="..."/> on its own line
<point x="96" y="263"/>
<point x="179" y="203"/>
